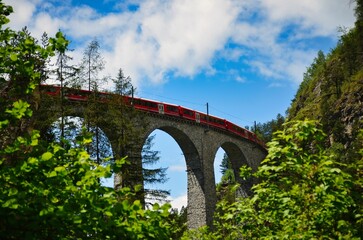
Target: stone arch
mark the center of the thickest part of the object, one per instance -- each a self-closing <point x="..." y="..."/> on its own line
<point x="196" y="208"/>
<point x="49" y="119"/>
<point x="238" y="159"/>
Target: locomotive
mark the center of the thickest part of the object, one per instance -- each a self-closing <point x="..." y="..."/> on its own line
<point x="156" y="107"/>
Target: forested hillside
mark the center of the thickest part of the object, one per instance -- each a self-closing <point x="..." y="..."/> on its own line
<point x="332" y="89"/>
<point x="312" y="178"/>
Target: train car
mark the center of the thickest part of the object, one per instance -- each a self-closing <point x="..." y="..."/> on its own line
<point x="156" y="107"/>
<point x="171" y="110"/>
<point x="51" y="90"/>
<point x="72" y="94"/>
<point x="146" y="105"/>
<point x="236" y="129"/>
<point x="187" y="113"/>
<point x="217" y="122"/>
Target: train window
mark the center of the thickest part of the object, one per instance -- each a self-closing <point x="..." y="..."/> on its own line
<point x="152" y="105"/>
<point x="171" y="108"/>
<point x="138" y="102"/>
<point x="142" y="103"/>
<point x="188" y="112"/>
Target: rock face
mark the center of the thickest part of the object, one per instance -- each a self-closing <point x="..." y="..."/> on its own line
<point x="332" y="92"/>
<point x="341" y="116"/>
<point x="350" y="112"/>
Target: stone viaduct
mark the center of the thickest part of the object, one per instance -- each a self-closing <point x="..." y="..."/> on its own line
<point x="199" y="144"/>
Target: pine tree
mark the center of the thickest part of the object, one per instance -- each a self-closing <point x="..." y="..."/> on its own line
<point x="65" y="74"/>
<point x="153" y="175"/>
<point x="91" y="65"/>
<point x="124" y="116"/>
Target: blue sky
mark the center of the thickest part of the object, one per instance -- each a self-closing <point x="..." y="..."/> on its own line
<point x="245" y="58"/>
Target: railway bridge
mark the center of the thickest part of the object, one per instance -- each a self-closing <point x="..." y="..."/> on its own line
<point x="199" y="143"/>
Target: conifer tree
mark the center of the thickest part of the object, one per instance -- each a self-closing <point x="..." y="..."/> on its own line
<point x="153" y="175"/>
<point x="91" y="65"/>
<point x="124" y="118"/>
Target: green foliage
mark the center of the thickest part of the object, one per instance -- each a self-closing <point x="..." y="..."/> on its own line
<point x="265" y="131"/>
<point x="178" y="219"/>
<point x="56" y="193"/>
<point x="331" y="91"/>
<point x="123" y="85"/>
<point x="50" y="191"/>
<point x="225" y="164"/>
<point x="226" y="188"/>
<point x="303" y="193"/>
<point x="304" y="104"/>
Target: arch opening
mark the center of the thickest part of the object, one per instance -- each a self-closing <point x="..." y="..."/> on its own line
<point x="196" y="197"/>
<point x="233" y="159"/>
<point x="220" y="165"/>
<point x="164" y="159"/>
<point x="100" y="149"/>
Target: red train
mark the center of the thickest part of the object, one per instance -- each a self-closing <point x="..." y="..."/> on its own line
<point x="160" y="108"/>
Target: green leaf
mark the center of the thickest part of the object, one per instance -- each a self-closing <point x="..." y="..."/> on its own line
<point x="32" y="160"/>
<point x="54" y="200"/>
<point x="77" y="220"/>
<point x="109" y="214"/>
<point x="46" y="156"/>
<point x="4" y="123"/>
<point x="20" y="109"/>
<point x="11" y="203"/>
<point x="13" y="57"/>
<point x="13" y="191"/>
<point x="43" y="212"/>
<point x="59" y="169"/>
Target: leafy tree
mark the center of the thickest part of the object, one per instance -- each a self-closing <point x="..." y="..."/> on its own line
<point x="265" y="131"/>
<point x="50" y="191"/>
<point x="179" y="218"/>
<point x="303" y="193"/>
<point x="228" y="180"/>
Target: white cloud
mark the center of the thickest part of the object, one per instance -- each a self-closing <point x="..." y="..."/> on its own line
<point x="177" y="168"/>
<point x="23" y="12"/>
<point x="179" y="36"/>
<point x="279" y="57"/>
<point x="179" y="201"/>
<point x="322" y="16"/>
<point x="184" y="37"/>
